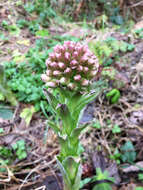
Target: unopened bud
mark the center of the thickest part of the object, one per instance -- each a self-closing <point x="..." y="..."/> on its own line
<point x="73" y="63"/>
<point x="52" y="55"/>
<point x="53" y="64"/>
<point x="93" y="73"/>
<point x="57" y="55"/>
<point x="48" y="72"/>
<point x="77" y="78"/>
<point x="85" y="82"/>
<point x="61" y="65"/>
<point x="91" y="61"/>
<point x="85" y="69"/>
<point x="63" y="80"/>
<point x="68" y="70"/>
<point x="45" y="78"/>
<point x="56" y="73"/>
<point x="67" y="55"/>
<point x="51" y="84"/>
<point x="75" y="54"/>
<point x="80" y="68"/>
<point x="71" y="86"/>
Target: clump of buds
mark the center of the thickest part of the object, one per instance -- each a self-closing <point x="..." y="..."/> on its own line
<point x="71" y="65"/>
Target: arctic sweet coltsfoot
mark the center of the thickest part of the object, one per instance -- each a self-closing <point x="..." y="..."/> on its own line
<point x="71" y="65"/>
<point x="71" y="69"/>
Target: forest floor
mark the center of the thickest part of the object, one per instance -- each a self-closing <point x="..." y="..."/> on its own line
<point x="114" y="139"/>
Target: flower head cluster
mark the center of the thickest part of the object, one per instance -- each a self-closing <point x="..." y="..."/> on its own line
<point x="71" y="65"/>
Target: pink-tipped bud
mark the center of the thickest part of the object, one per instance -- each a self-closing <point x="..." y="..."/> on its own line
<point x="78" y="48"/>
<point x="48" y="62"/>
<point x="63" y="80"/>
<point x="56" y="73"/>
<point x="61" y="65"/>
<point x="53" y="64"/>
<point x="80" y="68"/>
<point x="73" y="63"/>
<point x="48" y="72"/>
<point x="71" y="86"/>
<point x="71" y="48"/>
<point x="57" y="55"/>
<point x="84" y="58"/>
<point x="91" y="61"/>
<point x="85" y="48"/>
<point x="75" y="54"/>
<point x="93" y="73"/>
<point x="51" y="84"/>
<point x="68" y="70"/>
<point x="67" y="43"/>
<point x="77" y="77"/>
<point x="67" y="55"/>
<point x="45" y="78"/>
<point x="57" y="48"/>
<point x="85" y="82"/>
<point x="52" y="56"/>
<point x="85" y="69"/>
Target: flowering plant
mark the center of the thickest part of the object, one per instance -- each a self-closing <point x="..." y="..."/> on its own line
<point x="71" y="69"/>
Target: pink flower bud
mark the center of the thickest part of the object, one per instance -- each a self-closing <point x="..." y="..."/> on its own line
<point x="56" y="73"/>
<point x="67" y="43"/>
<point x="84" y="58"/>
<point x="57" y="55"/>
<point x="57" y="48"/>
<point x="45" y="78"/>
<point x="71" y="86"/>
<point x="52" y="56"/>
<point x="67" y="55"/>
<point x="80" y="68"/>
<point x="85" y="82"/>
<point x="91" y="61"/>
<point x="71" y="48"/>
<point x="77" y="77"/>
<point x="63" y="80"/>
<point x="51" y="84"/>
<point x="53" y="64"/>
<point x="48" y="62"/>
<point x="68" y="70"/>
<point x="73" y="63"/>
<point x="85" y="48"/>
<point x="61" y="65"/>
<point x="75" y="54"/>
<point x="85" y="69"/>
<point x="93" y="73"/>
<point x="48" y="72"/>
<point x="78" y="49"/>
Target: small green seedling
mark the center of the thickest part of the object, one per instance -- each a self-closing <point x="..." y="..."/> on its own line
<point x="113" y="95"/>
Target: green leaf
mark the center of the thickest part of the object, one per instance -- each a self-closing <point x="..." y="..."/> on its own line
<point x="128" y="152"/>
<point x="139" y="188"/>
<point x="71" y="166"/>
<point x="1" y="130"/>
<point x="116" y="129"/>
<point x="71" y="172"/>
<point x="27" y="114"/>
<point x="102" y="186"/>
<point x="67" y="120"/>
<point x="84" y="182"/>
<point x="42" y="33"/>
<point x="53" y="101"/>
<point x="6" y="113"/>
<point x="53" y="126"/>
<point x="67" y="182"/>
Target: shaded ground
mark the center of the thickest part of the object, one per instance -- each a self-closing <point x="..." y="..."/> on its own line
<point x="39" y="169"/>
